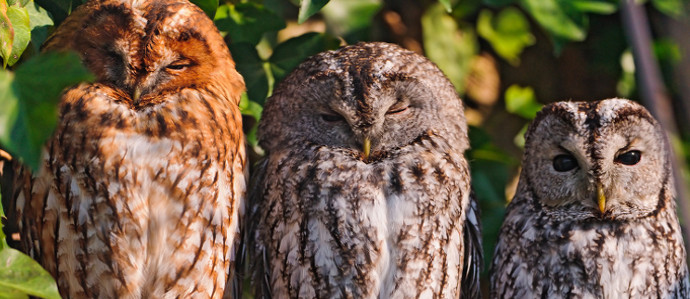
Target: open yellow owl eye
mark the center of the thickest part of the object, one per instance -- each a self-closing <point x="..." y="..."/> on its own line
<point x="629" y="158"/>
<point x="563" y="163"/>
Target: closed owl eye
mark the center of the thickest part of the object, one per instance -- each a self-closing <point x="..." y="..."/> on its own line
<point x="398" y="108"/>
<point x="180" y="64"/>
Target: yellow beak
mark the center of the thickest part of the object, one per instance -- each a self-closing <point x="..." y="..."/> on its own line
<point x="601" y="198"/>
<point x="136" y="95"/>
<point x="367" y="147"/>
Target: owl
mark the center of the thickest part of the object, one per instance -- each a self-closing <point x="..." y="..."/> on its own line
<point x="141" y="190"/>
<point x="364" y="191"/>
<point x="594" y="214"/>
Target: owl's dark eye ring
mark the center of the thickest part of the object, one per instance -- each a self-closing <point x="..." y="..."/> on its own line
<point x="563" y="163"/>
<point x="629" y="158"/>
<point x="331" y="118"/>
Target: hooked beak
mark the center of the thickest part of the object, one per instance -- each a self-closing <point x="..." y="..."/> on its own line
<point x="136" y="95"/>
<point x="601" y="198"/>
<point x="366" y="147"/>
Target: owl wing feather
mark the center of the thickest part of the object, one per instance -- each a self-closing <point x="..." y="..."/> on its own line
<point x="259" y="264"/>
<point x="473" y="257"/>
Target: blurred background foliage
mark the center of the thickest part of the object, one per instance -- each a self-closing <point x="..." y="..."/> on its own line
<point x="506" y="59"/>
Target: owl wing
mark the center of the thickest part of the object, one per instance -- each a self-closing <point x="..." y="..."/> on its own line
<point x="258" y="265"/>
<point x="473" y="251"/>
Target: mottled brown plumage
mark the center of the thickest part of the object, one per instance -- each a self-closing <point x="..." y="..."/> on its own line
<point x="594" y="213"/>
<point x="141" y="191"/>
<point x="364" y="191"/>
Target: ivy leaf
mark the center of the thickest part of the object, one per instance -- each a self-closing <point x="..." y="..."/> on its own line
<point x="508" y="33"/>
<point x="308" y="8"/>
<point x="247" y="22"/>
<point x="31" y="95"/>
<point x="40" y="21"/>
<point x="290" y="53"/>
<point x="522" y="101"/>
<point x="252" y="69"/>
<point x="208" y="6"/>
<point x="447" y="45"/>
<point x="20" y="274"/>
<point x="6" y="33"/>
<point x="19" y="20"/>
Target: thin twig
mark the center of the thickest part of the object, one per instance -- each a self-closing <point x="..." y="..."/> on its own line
<point x="655" y="96"/>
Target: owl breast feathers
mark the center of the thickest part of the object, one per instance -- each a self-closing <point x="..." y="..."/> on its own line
<point x="364" y="191"/>
<point x="594" y="215"/>
<point x="141" y="191"/>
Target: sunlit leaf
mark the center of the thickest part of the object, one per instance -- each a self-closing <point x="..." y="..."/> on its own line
<point x="447" y="5"/>
<point x="19" y="272"/>
<point x="19" y="20"/>
<point x="594" y="6"/>
<point x="673" y="8"/>
<point x="35" y="91"/>
<point x="208" y="6"/>
<point x="247" y="22"/>
<point x="347" y="17"/>
<point x="252" y="69"/>
<point x="558" y="18"/>
<point x="522" y="101"/>
<point x="40" y="21"/>
<point x="447" y="45"/>
<point x="290" y="53"/>
<point x="6" y="33"/>
<point x="308" y="8"/>
<point x="508" y="32"/>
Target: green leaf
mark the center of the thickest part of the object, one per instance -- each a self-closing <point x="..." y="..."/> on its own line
<point x="508" y="33"/>
<point x="247" y="22"/>
<point x="3" y="238"/>
<point x="40" y="21"/>
<point x="521" y="101"/>
<point x="447" y="5"/>
<point x="672" y="8"/>
<point x="558" y="18"/>
<point x="498" y="3"/>
<point x="252" y="69"/>
<point x="33" y="95"/>
<point x="598" y="7"/>
<point x="308" y="8"/>
<point x="447" y="45"/>
<point x="290" y="53"/>
<point x="18" y="272"/>
<point x="19" y="20"/>
<point x="347" y="17"/>
<point x="6" y="33"/>
<point x="208" y="6"/>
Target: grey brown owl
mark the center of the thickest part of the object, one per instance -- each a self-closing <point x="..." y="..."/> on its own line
<point x="141" y="190"/>
<point x="364" y="191"/>
<point x="594" y="214"/>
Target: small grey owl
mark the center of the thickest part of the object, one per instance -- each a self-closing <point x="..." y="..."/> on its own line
<point x="594" y="214"/>
<point x="364" y="191"/>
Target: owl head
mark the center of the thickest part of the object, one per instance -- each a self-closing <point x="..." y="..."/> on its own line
<point x="606" y="159"/>
<point x="148" y="49"/>
<point x="368" y="99"/>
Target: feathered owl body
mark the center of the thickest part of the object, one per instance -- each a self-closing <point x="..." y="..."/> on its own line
<point x="331" y="220"/>
<point x="142" y="187"/>
<point x="594" y="215"/>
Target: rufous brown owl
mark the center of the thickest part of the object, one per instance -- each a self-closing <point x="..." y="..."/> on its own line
<point x="141" y="191"/>
<point x="594" y="215"/>
<point x="364" y="191"/>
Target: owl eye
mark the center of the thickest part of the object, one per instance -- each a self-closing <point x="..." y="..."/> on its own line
<point x="397" y="108"/>
<point x="179" y="64"/>
<point x="563" y="163"/>
<point x="332" y="118"/>
<point x="629" y="158"/>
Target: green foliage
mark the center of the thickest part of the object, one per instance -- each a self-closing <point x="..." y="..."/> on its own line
<point x="30" y="96"/>
<point x="308" y="8"/>
<point x="208" y="6"/>
<point x="247" y="22"/>
<point x="508" y="32"/>
<point x="521" y="101"/>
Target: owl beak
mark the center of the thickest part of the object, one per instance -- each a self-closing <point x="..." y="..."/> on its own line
<point x="601" y="198"/>
<point x="136" y="95"/>
<point x="366" y="147"/>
